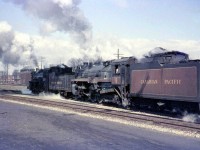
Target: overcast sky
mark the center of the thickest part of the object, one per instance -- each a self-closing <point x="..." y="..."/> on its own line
<point x="61" y="29"/>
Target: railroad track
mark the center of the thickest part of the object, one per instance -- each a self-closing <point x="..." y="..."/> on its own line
<point x="83" y="108"/>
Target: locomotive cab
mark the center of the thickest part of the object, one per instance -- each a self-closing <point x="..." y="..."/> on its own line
<point x="121" y="79"/>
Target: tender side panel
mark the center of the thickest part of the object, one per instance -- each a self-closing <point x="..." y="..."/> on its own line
<point x="60" y="82"/>
<point x="52" y="81"/>
<point x="180" y="82"/>
<point x="68" y="82"/>
<point x="146" y="81"/>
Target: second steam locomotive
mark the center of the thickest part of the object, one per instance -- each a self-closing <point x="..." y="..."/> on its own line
<point x="163" y="80"/>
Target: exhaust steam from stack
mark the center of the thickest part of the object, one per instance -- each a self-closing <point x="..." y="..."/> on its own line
<point x="59" y="15"/>
<point x="11" y="50"/>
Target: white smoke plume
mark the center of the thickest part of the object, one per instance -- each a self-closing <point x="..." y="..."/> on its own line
<point x="59" y="15"/>
<point x="12" y="51"/>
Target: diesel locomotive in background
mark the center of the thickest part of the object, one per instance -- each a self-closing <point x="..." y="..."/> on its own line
<point x="162" y="80"/>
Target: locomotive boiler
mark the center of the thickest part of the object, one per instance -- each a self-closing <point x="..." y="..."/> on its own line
<point x="93" y="82"/>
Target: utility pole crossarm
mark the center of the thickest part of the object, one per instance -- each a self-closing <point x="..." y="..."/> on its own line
<point x="118" y="54"/>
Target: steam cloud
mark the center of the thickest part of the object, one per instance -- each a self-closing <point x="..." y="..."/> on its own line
<point x="191" y="117"/>
<point x="12" y="51"/>
<point x="59" y="15"/>
<point x="156" y="50"/>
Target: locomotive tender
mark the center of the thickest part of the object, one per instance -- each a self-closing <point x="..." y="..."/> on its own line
<point x="167" y="79"/>
<point x="170" y="78"/>
<point x="55" y="79"/>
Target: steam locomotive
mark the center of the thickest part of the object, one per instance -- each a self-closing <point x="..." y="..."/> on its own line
<point x="162" y="80"/>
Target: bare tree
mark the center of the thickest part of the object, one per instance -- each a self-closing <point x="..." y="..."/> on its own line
<point x="73" y="62"/>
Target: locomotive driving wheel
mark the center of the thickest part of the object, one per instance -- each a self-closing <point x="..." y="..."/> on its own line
<point x="117" y="100"/>
<point x="125" y="101"/>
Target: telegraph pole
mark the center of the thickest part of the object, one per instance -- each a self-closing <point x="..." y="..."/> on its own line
<point x="6" y="73"/>
<point x="118" y="54"/>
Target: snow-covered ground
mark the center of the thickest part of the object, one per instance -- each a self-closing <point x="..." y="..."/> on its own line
<point x="12" y="87"/>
